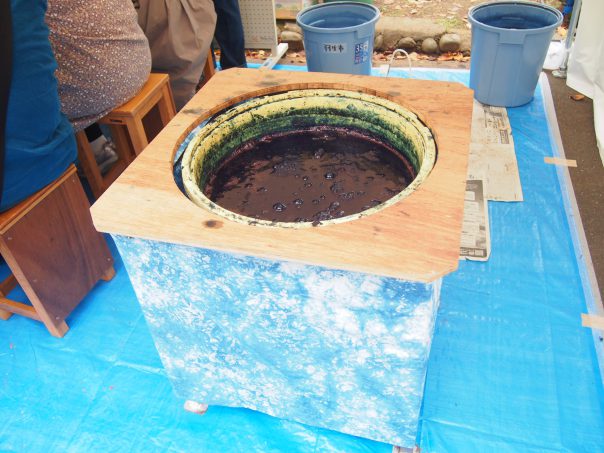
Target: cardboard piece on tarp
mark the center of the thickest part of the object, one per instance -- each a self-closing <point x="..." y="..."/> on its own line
<point x="496" y="165"/>
<point x="492" y="175"/>
<point x="475" y="234"/>
<point x="492" y="155"/>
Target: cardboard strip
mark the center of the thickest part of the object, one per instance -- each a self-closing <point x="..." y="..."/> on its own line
<point x="492" y="155"/>
<point x="560" y="161"/>
<point x="592" y="321"/>
<point x="475" y="232"/>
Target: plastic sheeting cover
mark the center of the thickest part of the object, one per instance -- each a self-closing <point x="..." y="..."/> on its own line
<point x="511" y="368"/>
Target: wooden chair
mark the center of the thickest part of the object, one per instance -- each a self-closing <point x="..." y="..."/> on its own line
<point x="209" y="69"/>
<point x="53" y="252"/>
<point x="132" y="125"/>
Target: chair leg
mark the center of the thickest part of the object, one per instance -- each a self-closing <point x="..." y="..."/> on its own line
<point x="122" y="144"/>
<point x="5" y="315"/>
<point x="137" y="133"/>
<point x="6" y="287"/>
<point x="89" y="165"/>
<point x="208" y="69"/>
<point x="109" y="274"/>
<point x="167" y="110"/>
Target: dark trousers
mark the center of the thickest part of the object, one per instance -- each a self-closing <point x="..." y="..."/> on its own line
<point x="229" y="34"/>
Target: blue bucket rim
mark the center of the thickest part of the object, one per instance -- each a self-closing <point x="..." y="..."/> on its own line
<point x="527" y="4"/>
<point x="332" y="5"/>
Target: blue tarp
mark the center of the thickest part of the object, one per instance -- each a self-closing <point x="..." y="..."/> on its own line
<point x="511" y="368"/>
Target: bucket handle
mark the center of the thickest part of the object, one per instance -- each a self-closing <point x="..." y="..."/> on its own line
<point x="386" y="68"/>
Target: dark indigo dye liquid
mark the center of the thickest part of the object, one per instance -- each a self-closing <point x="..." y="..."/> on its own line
<point x="309" y="175"/>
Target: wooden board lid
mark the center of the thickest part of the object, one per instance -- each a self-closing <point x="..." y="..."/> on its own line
<point x="415" y="239"/>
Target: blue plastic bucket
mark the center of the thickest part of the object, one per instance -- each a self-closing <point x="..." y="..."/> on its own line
<point x="509" y="45"/>
<point x="338" y="37"/>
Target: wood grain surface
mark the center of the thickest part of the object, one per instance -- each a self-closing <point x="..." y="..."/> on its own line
<point x="416" y="239"/>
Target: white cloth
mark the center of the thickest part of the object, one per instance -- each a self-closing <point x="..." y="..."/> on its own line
<point x="586" y="63"/>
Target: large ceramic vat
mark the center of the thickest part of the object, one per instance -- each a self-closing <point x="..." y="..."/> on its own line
<point x="328" y="325"/>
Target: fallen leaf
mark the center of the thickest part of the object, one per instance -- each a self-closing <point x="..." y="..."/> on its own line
<point x="577" y="97"/>
<point x="562" y="31"/>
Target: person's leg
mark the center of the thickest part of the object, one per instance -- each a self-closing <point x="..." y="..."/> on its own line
<point x="179" y="33"/>
<point x="93" y="132"/>
<point x="103" y="149"/>
<point x="229" y="34"/>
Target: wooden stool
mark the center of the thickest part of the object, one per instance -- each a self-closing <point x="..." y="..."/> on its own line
<point x="54" y="253"/>
<point x="128" y="130"/>
<point x="209" y="69"/>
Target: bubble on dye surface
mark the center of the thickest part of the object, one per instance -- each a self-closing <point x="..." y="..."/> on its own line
<point x="319" y="153"/>
<point x="337" y="187"/>
<point x="284" y="168"/>
<point x="323" y="215"/>
<point x="308" y="185"/>
<point x="347" y="195"/>
<point x="262" y="189"/>
<point x="330" y="175"/>
<point x="279" y="207"/>
<point x="315" y="201"/>
<point x="298" y="202"/>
